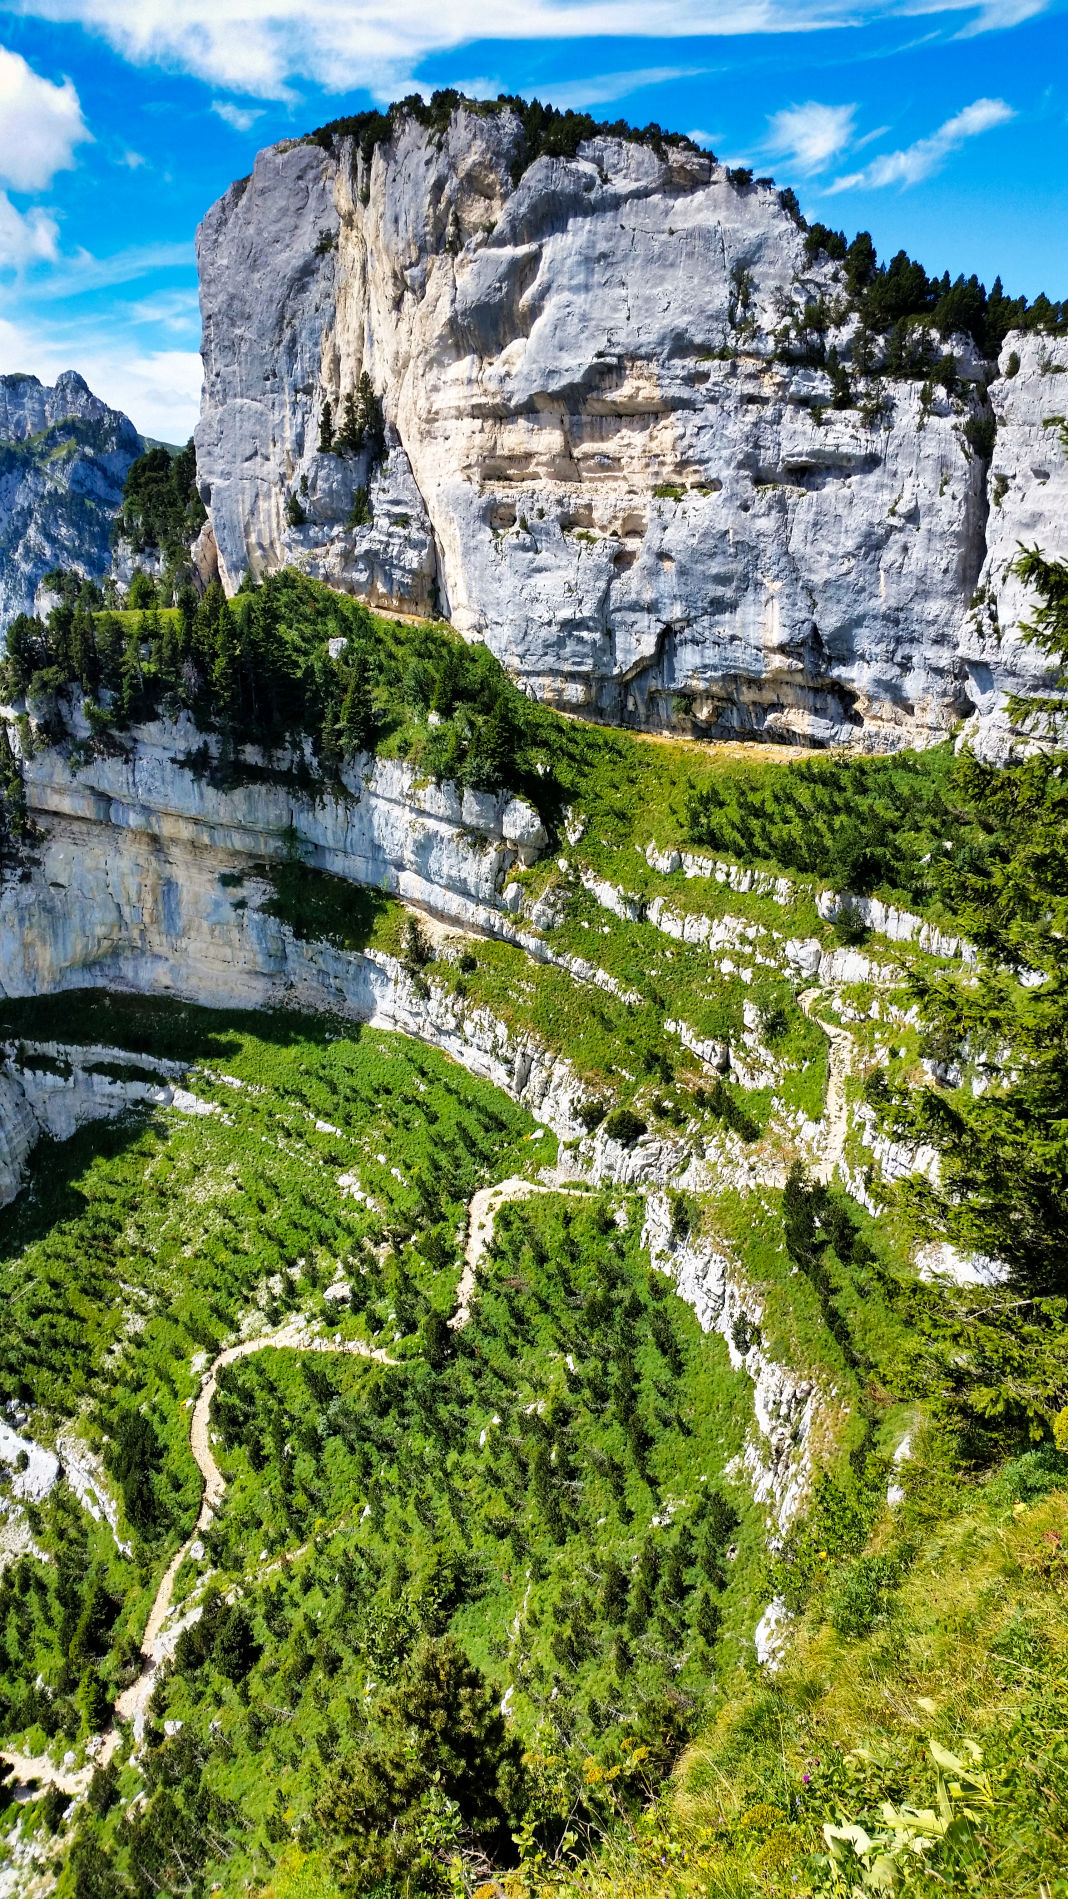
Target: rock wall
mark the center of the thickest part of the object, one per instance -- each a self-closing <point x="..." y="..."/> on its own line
<point x="147" y="877"/>
<point x="64" y="457"/>
<point x="598" y="459"/>
<point x="1028" y="507"/>
<point x="794" y="1417"/>
<point x="445" y="848"/>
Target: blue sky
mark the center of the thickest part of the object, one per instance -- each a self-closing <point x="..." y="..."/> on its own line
<point x="940" y="128"/>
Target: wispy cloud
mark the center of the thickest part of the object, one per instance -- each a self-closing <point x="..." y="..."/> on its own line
<point x="241" y="118"/>
<point x="26" y="237"/>
<point x="603" y="88"/>
<point x="262" y="51"/>
<point x="79" y="272"/>
<point x="999" y="14"/>
<point x="40" y="125"/>
<point x="174" y="310"/>
<point x="918" y="161"/>
<point x="809" y="136"/>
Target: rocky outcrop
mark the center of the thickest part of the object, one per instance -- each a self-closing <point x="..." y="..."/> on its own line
<point x="64" y="456"/>
<point x="444" y="847"/>
<point x="1028" y="508"/>
<point x="791" y="1412"/>
<point x="597" y="452"/>
<point x="147" y="876"/>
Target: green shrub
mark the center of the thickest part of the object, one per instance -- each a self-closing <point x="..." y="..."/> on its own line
<point x="624" y="1126"/>
<point x="859" y="1597"/>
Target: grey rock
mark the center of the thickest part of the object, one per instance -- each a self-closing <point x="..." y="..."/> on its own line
<point x="1028" y="508"/>
<point x="598" y="456"/>
<point x="64" y="456"/>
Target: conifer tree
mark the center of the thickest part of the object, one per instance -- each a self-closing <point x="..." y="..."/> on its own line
<point x="326" y="430"/>
<point x="85" y="664"/>
<point x="109" y="646"/>
<point x="1003" y="1187"/>
<point x="369" y="416"/>
<point x="225" y="681"/>
<point x="167" y="653"/>
<point x="350" y="434"/>
<point x="491" y="760"/>
<point x="12" y="789"/>
<point x="26" y="652"/>
<point x="131" y="677"/>
<point x="357" y="712"/>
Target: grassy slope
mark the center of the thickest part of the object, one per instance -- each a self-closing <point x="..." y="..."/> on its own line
<point x="742" y="1816"/>
<point x="187" y="1224"/>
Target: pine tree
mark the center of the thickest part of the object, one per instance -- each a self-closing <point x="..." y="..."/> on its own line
<point x="12" y="789"/>
<point x="225" y="680"/>
<point x="235" y="1650"/>
<point x="168" y="655"/>
<point x="491" y="760"/>
<point x="326" y="430"/>
<point x="1003" y="1187"/>
<point x="369" y="417"/>
<point x="131" y="677"/>
<point x="27" y="646"/>
<point x="357" y="712"/>
<point x="330" y="746"/>
<point x="350" y="434"/>
<point x="84" y="660"/>
<point x="109" y="646"/>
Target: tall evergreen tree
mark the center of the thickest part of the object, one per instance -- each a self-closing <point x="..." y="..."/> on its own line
<point x="131" y="676"/>
<point x="357" y="712"/>
<point x="1003" y="1186"/>
<point x="84" y="659"/>
<point x="109" y="646"/>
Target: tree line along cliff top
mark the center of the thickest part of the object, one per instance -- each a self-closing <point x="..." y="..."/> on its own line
<point x="882" y="294"/>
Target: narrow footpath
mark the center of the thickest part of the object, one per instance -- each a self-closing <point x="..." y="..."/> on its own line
<point x="32" y="1772"/>
<point x="132" y="1704"/>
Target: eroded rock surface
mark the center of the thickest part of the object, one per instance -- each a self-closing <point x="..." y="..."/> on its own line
<point x="64" y="456"/>
<point x="597" y="457"/>
<point x="1028" y="508"/>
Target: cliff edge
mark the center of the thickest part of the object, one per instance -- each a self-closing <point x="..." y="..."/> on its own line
<point x="608" y="446"/>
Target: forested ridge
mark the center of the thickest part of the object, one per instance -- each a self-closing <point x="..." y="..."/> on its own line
<point x="883" y="294"/>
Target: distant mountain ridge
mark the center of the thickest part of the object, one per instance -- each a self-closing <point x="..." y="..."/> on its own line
<point x="64" y="457"/>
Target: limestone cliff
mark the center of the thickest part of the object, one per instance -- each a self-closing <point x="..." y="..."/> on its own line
<point x="599" y="455"/>
<point x="1028" y="507"/>
<point x="64" y="456"/>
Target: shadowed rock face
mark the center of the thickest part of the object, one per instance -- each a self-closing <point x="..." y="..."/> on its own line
<point x="64" y="456"/>
<point x="599" y="460"/>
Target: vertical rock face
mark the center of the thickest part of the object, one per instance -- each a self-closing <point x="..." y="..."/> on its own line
<point x="64" y="457"/>
<point x="598" y="457"/>
<point x="1028" y="507"/>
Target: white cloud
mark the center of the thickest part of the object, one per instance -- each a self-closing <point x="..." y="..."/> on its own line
<point x="998" y="14"/>
<point x="175" y="310"/>
<point x="242" y="118"/>
<point x="133" y="160"/>
<point x="918" y="161"/>
<point x="82" y="271"/>
<point x="809" y="136"/>
<point x="158" y="389"/>
<point x="603" y="88"/>
<point x="40" y="124"/>
<point x="706" y="140"/>
<point x="259" y="50"/>
<point x="26" y="237"/>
